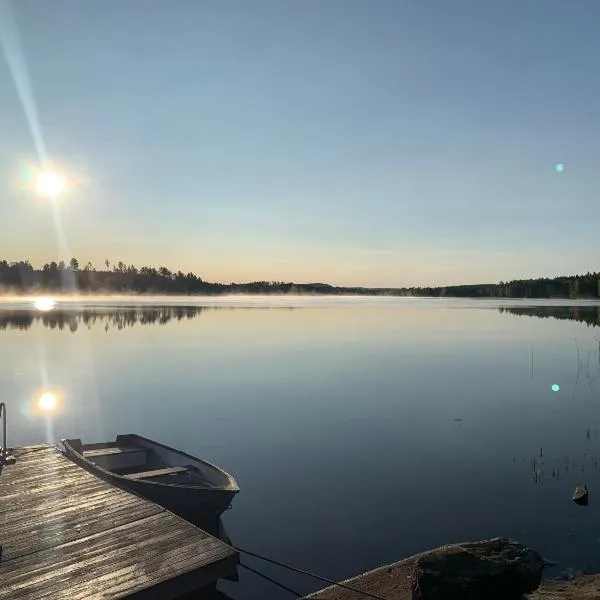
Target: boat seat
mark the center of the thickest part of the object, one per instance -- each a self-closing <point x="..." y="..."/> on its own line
<point x="112" y="450"/>
<point x="157" y="473"/>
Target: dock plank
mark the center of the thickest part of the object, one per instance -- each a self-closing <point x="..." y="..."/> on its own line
<point x="67" y="534"/>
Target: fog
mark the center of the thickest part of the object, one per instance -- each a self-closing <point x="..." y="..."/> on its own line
<point x="16" y="301"/>
<point x="76" y="301"/>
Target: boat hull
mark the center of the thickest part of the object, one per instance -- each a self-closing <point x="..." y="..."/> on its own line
<point x="191" y="504"/>
<point x="195" y="504"/>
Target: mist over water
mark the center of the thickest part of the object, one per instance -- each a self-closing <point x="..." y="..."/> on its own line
<point x="360" y="430"/>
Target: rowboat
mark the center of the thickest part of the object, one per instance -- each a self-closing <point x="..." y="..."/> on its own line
<point x="186" y="485"/>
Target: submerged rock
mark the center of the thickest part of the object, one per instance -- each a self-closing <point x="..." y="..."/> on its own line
<point x="487" y="570"/>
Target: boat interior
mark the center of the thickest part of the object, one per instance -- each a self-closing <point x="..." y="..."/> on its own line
<point x="134" y="461"/>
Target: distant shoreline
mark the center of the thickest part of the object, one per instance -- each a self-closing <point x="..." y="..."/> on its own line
<point x="291" y="290"/>
<point x="22" y="278"/>
<point x="66" y="295"/>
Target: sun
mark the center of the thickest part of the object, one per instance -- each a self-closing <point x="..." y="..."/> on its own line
<point x="50" y="184"/>
<point x="47" y="402"/>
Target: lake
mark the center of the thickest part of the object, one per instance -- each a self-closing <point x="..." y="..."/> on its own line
<point x="360" y="431"/>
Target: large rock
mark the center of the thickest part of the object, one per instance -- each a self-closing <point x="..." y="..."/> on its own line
<point x="487" y="570"/>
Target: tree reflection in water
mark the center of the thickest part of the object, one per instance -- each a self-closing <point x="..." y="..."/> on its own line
<point x="109" y="318"/>
<point x="583" y="314"/>
<point x="116" y="318"/>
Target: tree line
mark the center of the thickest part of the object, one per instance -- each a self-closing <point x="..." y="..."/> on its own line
<point x="572" y="286"/>
<point x="59" y="276"/>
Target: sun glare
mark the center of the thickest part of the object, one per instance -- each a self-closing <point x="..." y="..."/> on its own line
<point x="44" y="304"/>
<point x="47" y="402"/>
<point x="50" y="185"/>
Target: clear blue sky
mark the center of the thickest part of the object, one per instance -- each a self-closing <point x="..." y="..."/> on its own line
<point x="376" y="142"/>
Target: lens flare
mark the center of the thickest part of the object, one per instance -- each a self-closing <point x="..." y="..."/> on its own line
<point x="11" y="47"/>
<point x="47" y="402"/>
<point x="44" y="304"/>
<point x="560" y="168"/>
<point x="555" y="388"/>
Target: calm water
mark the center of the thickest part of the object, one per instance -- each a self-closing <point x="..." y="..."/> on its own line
<point x="360" y="431"/>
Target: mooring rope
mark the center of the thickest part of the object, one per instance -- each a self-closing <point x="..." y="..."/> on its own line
<point x="287" y="589"/>
<point x="330" y="581"/>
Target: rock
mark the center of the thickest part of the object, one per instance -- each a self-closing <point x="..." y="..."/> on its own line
<point x="581" y="495"/>
<point x="487" y="570"/>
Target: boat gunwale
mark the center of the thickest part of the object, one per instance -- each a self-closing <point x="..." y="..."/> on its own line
<point x="231" y="486"/>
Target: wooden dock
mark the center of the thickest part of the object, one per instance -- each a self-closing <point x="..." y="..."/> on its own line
<point x="67" y="534"/>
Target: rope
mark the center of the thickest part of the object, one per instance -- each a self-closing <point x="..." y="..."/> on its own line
<point x="330" y="581"/>
<point x="287" y="589"/>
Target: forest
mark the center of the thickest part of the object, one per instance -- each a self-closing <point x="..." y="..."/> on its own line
<point x="72" y="277"/>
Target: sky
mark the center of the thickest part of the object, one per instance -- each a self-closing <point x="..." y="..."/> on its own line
<point x="353" y="142"/>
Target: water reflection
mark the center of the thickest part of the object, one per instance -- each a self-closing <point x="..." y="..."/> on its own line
<point x="116" y="318"/>
<point x="47" y="402"/>
<point x="582" y="314"/>
<point x="44" y="304"/>
<point x="53" y="316"/>
<point x="544" y="467"/>
<point x="590" y="315"/>
<point x="562" y="467"/>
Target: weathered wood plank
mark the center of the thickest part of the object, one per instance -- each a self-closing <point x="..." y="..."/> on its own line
<point x="107" y="451"/>
<point x="67" y="534"/>
<point x="101" y="557"/>
<point x="156" y="473"/>
<point x="40" y="536"/>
